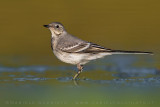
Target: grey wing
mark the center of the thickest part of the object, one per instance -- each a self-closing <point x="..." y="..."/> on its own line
<point x="94" y="48"/>
<point x="72" y="44"/>
<point x="83" y="47"/>
<point x="75" y="47"/>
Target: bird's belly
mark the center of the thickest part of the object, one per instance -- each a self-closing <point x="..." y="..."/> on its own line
<point x="78" y="58"/>
<point x="71" y="58"/>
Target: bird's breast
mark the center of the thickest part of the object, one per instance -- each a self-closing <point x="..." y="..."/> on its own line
<point x="71" y="58"/>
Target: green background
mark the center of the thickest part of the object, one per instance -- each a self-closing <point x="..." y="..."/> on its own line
<point x="115" y="24"/>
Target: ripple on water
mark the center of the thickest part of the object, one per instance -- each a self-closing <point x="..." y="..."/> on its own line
<point x="122" y="67"/>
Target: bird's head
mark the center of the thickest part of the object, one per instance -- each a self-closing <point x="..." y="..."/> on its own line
<point x="56" y="28"/>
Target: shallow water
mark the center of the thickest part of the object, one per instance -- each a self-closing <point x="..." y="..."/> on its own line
<point x="113" y="81"/>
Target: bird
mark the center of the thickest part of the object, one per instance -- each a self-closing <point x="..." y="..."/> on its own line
<point x="70" y="49"/>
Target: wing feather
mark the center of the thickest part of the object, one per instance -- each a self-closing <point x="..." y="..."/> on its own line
<point x="85" y="47"/>
<point x="78" y="47"/>
<point x="72" y="44"/>
<point x="94" y="48"/>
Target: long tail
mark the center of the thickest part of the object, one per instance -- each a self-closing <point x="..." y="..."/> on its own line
<point x="129" y="52"/>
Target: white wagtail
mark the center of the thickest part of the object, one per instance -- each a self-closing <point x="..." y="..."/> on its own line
<point x="73" y="50"/>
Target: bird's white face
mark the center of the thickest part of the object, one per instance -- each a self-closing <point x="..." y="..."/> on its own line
<point x="56" y="29"/>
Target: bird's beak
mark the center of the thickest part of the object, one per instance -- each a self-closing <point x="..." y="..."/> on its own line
<point x="47" y="26"/>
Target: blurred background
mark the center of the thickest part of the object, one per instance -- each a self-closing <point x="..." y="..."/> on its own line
<point x="30" y="72"/>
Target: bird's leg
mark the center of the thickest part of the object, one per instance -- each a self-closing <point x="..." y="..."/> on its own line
<point x="80" y="68"/>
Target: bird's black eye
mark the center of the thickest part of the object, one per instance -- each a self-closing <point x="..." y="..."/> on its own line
<point x="57" y="26"/>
